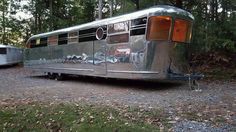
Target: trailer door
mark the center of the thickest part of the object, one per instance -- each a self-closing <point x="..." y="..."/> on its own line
<point x="99" y="52"/>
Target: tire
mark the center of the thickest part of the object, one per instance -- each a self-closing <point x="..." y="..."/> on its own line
<point x="59" y="77"/>
<point x="51" y="75"/>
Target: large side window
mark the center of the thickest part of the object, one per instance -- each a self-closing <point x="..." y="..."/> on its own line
<point x="118" y="33"/>
<point x="182" y="31"/>
<point x="73" y="37"/>
<point x="159" y="28"/>
<point x="3" y="51"/>
<point x="62" y="38"/>
<point x="52" y="40"/>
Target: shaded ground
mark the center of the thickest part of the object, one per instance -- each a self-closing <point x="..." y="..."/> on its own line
<point x="212" y="109"/>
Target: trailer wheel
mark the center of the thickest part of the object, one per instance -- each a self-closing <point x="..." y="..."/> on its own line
<point x="51" y="75"/>
<point x="59" y="77"/>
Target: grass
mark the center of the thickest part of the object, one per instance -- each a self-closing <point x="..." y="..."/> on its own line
<point x="71" y="117"/>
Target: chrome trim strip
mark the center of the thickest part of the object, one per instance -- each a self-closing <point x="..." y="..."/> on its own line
<point x="70" y="69"/>
<point x="138" y="28"/>
<point x="133" y="72"/>
<point x="118" y="33"/>
<point x="141" y="25"/>
<point x="87" y="35"/>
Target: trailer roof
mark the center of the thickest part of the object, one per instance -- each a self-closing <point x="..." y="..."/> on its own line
<point x="161" y="9"/>
<point x="6" y="46"/>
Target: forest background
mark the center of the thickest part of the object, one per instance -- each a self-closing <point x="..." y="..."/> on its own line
<point x="213" y="45"/>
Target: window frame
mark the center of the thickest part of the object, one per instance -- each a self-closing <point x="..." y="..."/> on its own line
<point x="65" y="39"/>
<point x="118" y="33"/>
<point x="170" y="28"/>
<point x="73" y="37"/>
<point x="189" y="33"/>
<point x="3" y="51"/>
<point x="55" y="40"/>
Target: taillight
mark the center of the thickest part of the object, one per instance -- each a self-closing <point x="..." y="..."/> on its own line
<point x="182" y="31"/>
<point x="159" y="28"/>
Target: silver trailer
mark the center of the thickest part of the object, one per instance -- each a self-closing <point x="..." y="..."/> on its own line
<point x="147" y="44"/>
<point x="10" y="55"/>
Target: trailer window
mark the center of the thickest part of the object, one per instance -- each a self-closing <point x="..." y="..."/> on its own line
<point x="118" y="27"/>
<point x="43" y="41"/>
<point x="52" y="40"/>
<point x="73" y="37"/>
<point x="119" y="38"/>
<point x="32" y="43"/>
<point x="37" y="41"/>
<point x="62" y="39"/>
<point x="138" y="26"/>
<point x="118" y="33"/>
<point x="139" y="21"/>
<point x="3" y="51"/>
<point x="159" y="28"/>
<point x="182" y="31"/>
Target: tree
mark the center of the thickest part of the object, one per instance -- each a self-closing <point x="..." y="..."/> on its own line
<point x="4" y="7"/>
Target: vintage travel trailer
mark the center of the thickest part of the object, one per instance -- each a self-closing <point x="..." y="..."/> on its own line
<point x="10" y="55"/>
<point x="150" y="44"/>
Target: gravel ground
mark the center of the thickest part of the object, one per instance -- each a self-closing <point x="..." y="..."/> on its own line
<point x="18" y="83"/>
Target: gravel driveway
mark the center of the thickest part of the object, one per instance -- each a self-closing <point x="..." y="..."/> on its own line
<point x="18" y="83"/>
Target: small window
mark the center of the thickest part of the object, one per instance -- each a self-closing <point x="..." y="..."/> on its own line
<point x="31" y="43"/>
<point x="119" y="38"/>
<point x="3" y="51"/>
<point x="43" y="41"/>
<point x="99" y="33"/>
<point x="52" y="40"/>
<point x="73" y="37"/>
<point x="118" y="27"/>
<point x="159" y="28"/>
<point x="38" y="41"/>
<point x="139" y="21"/>
<point x="62" y="39"/>
<point x="182" y="31"/>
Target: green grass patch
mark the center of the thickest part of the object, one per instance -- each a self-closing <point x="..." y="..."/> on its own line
<point x="71" y="117"/>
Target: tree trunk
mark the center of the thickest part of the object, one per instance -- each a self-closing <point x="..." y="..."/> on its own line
<point x="111" y="7"/>
<point x="100" y="9"/>
<point x="51" y="15"/>
<point x="4" y="24"/>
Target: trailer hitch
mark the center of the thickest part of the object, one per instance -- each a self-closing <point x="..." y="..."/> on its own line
<point x="193" y="83"/>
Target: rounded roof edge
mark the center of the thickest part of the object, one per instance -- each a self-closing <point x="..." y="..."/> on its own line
<point x="123" y="17"/>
